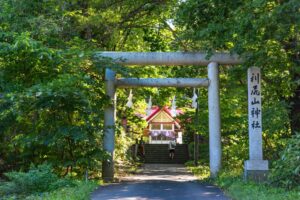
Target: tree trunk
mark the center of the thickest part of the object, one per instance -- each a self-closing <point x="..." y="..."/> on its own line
<point x="295" y="111"/>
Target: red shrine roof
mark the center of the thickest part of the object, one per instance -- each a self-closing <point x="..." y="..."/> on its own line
<point x="156" y="109"/>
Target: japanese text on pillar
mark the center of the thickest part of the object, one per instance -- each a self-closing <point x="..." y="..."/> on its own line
<point x="254" y="98"/>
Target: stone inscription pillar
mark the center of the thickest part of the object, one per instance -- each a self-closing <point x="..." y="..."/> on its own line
<point x="255" y="168"/>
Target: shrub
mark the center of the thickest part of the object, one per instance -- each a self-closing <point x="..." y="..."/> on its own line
<point x="81" y="191"/>
<point x="286" y="171"/>
<point x="36" y="180"/>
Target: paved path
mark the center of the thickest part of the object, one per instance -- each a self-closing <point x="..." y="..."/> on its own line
<point x="159" y="182"/>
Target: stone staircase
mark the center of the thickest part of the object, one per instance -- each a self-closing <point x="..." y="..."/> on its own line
<point x="159" y="153"/>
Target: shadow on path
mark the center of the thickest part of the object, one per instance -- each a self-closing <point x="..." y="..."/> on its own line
<point x="159" y="182"/>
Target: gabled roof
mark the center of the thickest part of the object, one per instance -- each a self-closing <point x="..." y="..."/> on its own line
<point x="156" y="110"/>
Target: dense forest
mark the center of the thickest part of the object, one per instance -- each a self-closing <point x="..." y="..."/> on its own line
<point x="52" y="88"/>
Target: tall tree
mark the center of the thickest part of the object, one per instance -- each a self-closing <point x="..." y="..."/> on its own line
<point x="52" y="96"/>
<point x="264" y="32"/>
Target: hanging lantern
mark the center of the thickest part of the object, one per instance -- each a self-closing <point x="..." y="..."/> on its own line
<point x="149" y="107"/>
<point x="173" y="108"/>
<point x="129" y="102"/>
<point x="194" y="99"/>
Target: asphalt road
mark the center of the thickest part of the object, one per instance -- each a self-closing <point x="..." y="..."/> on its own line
<point x="159" y="182"/>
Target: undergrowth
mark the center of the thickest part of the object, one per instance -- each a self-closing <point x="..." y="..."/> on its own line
<point x="41" y="183"/>
<point x="231" y="181"/>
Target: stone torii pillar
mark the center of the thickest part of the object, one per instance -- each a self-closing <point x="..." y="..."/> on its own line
<point x="215" y="151"/>
<point x="109" y="126"/>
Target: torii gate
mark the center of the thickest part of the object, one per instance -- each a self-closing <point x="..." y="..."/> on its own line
<point x="255" y="167"/>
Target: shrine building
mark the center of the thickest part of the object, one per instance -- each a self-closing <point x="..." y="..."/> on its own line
<point x="162" y="127"/>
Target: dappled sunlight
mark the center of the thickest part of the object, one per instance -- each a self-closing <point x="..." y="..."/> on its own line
<point x="159" y="182"/>
<point x="163" y="172"/>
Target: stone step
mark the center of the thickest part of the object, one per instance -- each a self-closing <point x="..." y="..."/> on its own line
<point x="159" y="153"/>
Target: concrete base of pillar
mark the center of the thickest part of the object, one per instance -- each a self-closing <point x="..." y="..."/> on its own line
<point x="108" y="171"/>
<point x="256" y="170"/>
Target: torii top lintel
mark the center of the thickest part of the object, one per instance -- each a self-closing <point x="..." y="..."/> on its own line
<point x="170" y="58"/>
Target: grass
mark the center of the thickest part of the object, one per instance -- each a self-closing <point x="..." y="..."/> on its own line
<point x="81" y="191"/>
<point x="40" y="183"/>
<point x="237" y="189"/>
<point x="125" y="168"/>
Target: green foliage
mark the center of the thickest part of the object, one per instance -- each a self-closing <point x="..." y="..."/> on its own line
<point x="236" y="188"/>
<point x="51" y="86"/>
<point x="265" y="34"/>
<point x="50" y="109"/>
<point x="82" y="191"/>
<point x="201" y="171"/>
<point x="52" y="89"/>
<point x="41" y="183"/>
<point x="286" y="170"/>
<point x="36" y="180"/>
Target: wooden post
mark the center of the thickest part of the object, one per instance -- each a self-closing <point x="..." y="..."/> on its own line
<point x="196" y="136"/>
